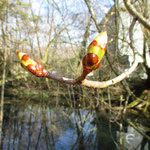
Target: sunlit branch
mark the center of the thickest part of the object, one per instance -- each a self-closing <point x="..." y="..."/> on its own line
<point x="136" y="14"/>
<point x="78" y="81"/>
<point x="91" y="61"/>
<point x="95" y="84"/>
<point x="38" y="70"/>
<point x="97" y="26"/>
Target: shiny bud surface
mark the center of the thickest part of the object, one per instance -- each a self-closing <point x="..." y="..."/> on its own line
<point x="31" y="65"/>
<point x="95" y="52"/>
<point x="90" y="62"/>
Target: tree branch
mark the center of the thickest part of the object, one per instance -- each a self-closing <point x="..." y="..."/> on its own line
<point x="131" y="36"/>
<point x="82" y="79"/>
<point x="136" y="14"/>
<point x="98" y="28"/>
<point x="92" y="14"/>
<point x="95" y="84"/>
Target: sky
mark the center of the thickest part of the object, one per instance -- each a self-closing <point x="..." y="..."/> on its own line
<point x="104" y="5"/>
<point x="70" y="8"/>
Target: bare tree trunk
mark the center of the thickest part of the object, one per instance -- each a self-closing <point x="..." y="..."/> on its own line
<point x="2" y="97"/>
<point x="3" y="86"/>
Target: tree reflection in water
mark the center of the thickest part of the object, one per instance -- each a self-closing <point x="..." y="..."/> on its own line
<point x="145" y="141"/>
<point x="28" y="125"/>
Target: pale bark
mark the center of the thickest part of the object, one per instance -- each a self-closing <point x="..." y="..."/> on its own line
<point x="136" y="14"/>
<point x="3" y="84"/>
<point x="95" y="84"/>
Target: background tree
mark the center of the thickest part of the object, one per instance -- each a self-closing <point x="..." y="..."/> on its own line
<point x="57" y="37"/>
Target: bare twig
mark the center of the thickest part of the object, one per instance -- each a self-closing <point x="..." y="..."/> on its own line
<point x="92" y="14"/>
<point x="95" y="84"/>
<point x="131" y="35"/>
<point x="125" y="85"/>
<point x="136" y="14"/>
<point x="135" y="56"/>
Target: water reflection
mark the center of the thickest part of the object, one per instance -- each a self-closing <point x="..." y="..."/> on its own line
<point x="43" y="126"/>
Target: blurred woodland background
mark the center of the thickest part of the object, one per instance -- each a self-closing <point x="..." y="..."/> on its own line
<point x="57" y="34"/>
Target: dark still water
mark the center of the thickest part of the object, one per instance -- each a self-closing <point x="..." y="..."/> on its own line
<point x="43" y="126"/>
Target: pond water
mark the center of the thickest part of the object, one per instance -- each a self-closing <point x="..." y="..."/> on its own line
<point x="43" y="126"/>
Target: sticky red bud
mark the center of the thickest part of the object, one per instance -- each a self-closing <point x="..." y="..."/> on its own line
<point x="84" y="63"/>
<point x="32" y="69"/>
<point x="25" y="57"/>
<point x="94" y="43"/>
<point x="31" y="65"/>
<point x="39" y="74"/>
<point x="95" y="52"/>
<point x="97" y="66"/>
<point x="39" y="66"/>
<point x="90" y="62"/>
<point x="91" y="59"/>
